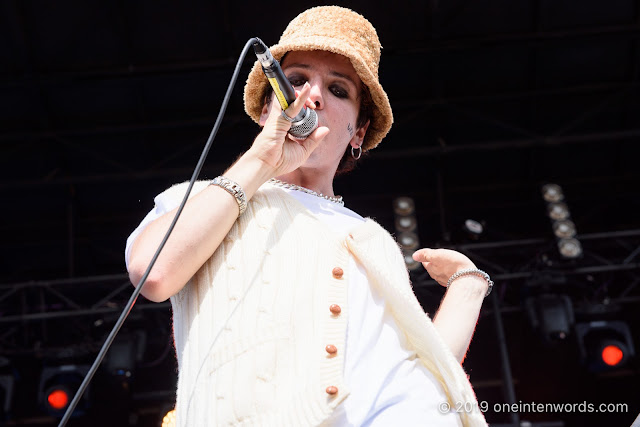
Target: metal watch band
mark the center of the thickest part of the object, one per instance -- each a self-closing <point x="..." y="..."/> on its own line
<point x="234" y="189"/>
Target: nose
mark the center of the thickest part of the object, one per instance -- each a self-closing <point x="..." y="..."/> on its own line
<point x="316" y="94"/>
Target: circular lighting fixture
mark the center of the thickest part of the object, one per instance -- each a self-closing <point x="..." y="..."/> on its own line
<point x="552" y="193"/>
<point x="570" y="248"/>
<point x="564" y="228"/>
<point x="558" y="211"/>
<point x="612" y="354"/>
<point x="403" y="206"/>
<point x="473" y="227"/>
<point x="169" y="420"/>
<point x="58" y="398"/>
<point x="406" y="223"/>
<point x="604" y="345"/>
<point x="410" y="262"/>
<point x="408" y="240"/>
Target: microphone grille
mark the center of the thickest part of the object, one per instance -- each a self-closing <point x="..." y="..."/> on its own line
<point x="303" y="127"/>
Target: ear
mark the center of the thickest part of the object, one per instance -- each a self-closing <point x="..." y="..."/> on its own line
<point x="264" y="114"/>
<point x="358" y="138"/>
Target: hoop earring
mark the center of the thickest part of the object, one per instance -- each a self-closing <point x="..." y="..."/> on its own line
<point x="353" y="154"/>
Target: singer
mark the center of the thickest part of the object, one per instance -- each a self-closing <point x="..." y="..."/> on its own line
<point x="289" y="309"/>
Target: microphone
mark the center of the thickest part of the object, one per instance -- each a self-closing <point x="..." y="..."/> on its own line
<point x="307" y="120"/>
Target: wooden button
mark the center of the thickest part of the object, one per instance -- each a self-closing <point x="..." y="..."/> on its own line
<point x="331" y="349"/>
<point x="335" y="309"/>
<point x="337" y="272"/>
<point x="332" y="389"/>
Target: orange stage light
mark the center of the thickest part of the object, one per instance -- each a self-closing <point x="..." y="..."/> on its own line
<point x="58" y="399"/>
<point x="612" y="355"/>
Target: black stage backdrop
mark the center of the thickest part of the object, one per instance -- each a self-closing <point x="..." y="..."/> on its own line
<point x="105" y="104"/>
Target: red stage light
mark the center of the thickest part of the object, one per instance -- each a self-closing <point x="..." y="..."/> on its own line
<point x="612" y="355"/>
<point x="58" y="399"/>
<point x="58" y="384"/>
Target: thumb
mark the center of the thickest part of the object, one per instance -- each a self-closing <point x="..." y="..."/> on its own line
<point x="312" y="141"/>
<point x="423" y="255"/>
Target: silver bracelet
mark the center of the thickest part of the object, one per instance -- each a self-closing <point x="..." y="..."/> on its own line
<point x="234" y="189"/>
<point x="474" y="272"/>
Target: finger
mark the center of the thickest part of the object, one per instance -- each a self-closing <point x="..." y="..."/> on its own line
<point x="423" y="255"/>
<point x="300" y="101"/>
<point x="309" y="103"/>
<point x="275" y="120"/>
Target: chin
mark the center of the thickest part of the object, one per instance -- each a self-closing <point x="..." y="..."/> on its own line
<point x="323" y="158"/>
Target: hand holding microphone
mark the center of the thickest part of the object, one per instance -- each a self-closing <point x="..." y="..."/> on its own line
<point x="306" y="121"/>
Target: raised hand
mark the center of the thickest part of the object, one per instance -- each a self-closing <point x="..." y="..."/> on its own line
<point x="458" y="313"/>
<point x="441" y="264"/>
<point x="275" y="147"/>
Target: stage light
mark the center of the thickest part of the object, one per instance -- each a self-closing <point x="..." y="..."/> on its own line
<point x="564" y="229"/>
<point x="406" y="223"/>
<point x="58" y="398"/>
<point x="558" y="211"/>
<point x="612" y="354"/>
<point x="570" y="248"/>
<point x="473" y="227"/>
<point x="408" y="241"/>
<point x="552" y="193"/>
<point x="604" y="345"/>
<point x="169" y="420"/>
<point x="125" y="352"/>
<point x="121" y="358"/>
<point x="403" y="206"/>
<point x="58" y="385"/>
<point x="410" y="262"/>
<point x="551" y="316"/>
<point x="406" y="228"/>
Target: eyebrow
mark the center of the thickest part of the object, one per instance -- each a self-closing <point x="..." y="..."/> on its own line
<point x="332" y="73"/>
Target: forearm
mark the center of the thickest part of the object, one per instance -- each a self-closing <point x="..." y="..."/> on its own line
<point x="205" y="221"/>
<point x="209" y="215"/>
<point x="458" y="313"/>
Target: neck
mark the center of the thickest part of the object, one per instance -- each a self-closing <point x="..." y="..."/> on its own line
<point x="311" y="179"/>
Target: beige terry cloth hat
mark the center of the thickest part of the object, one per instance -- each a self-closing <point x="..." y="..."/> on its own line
<point x="338" y="30"/>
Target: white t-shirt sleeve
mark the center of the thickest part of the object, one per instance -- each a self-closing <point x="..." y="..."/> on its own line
<point x="163" y="204"/>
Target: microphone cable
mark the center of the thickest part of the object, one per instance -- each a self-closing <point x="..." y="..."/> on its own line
<point x="138" y="289"/>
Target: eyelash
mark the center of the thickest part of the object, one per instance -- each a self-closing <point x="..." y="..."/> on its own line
<point x="297" y="81"/>
<point x="337" y="91"/>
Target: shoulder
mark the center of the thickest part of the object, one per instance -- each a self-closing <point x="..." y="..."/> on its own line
<point x="369" y="230"/>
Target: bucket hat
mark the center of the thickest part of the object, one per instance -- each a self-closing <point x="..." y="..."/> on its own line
<point x="338" y="30"/>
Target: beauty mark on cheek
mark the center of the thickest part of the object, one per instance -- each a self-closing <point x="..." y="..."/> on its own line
<point x="350" y="129"/>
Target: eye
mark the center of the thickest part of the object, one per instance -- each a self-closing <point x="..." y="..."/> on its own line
<point x="297" y="80"/>
<point x="339" y="91"/>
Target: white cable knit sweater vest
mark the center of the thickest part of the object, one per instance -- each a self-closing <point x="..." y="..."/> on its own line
<point x="251" y="326"/>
